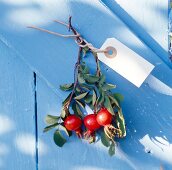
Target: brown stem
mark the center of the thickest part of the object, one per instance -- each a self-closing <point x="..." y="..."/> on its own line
<point x="79" y="39"/>
<point x="75" y="76"/>
<point x="98" y="71"/>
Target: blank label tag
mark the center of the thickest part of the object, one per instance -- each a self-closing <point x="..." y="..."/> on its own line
<point x="125" y="61"/>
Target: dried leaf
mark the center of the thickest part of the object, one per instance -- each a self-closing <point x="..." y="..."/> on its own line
<point x="121" y="123"/>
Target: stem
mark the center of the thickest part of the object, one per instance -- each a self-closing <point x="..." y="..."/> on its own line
<point x="75" y="76"/>
<point x="98" y="70"/>
<point x="78" y="39"/>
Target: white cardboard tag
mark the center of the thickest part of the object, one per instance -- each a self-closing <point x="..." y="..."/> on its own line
<point x="125" y="62"/>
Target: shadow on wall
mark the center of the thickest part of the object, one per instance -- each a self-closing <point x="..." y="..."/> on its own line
<point x="148" y="120"/>
<point x="14" y="143"/>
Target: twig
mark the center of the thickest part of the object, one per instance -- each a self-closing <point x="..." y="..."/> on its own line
<point x="54" y="33"/>
<point x="75" y="76"/>
<point x="62" y="23"/>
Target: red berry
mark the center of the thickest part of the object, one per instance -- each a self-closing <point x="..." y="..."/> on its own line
<point x="72" y="122"/>
<point x="91" y="123"/>
<point x="104" y="117"/>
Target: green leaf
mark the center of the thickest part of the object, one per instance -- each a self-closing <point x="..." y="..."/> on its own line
<point x="59" y="139"/>
<point x="102" y="80"/>
<point x="85" y="50"/>
<point x="66" y="87"/>
<point x="121" y="123"/>
<point x="101" y="98"/>
<point x="50" y="119"/>
<point x="105" y="140"/>
<point x="85" y="69"/>
<point x="107" y="87"/>
<point x="76" y="109"/>
<point x="91" y="106"/>
<point x="114" y="101"/>
<point x="112" y="149"/>
<point x="67" y="99"/>
<point x="47" y="128"/>
<point x="94" y="98"/>
<point x="63" y="113"/>
<point x="80" y="103"/>
<point x="78" y="90"/>
<point x="88" y="98"/>
<point x="119" y="97"/>
<point x="108" y="105"/>
<point x="80" y="78"/>
<point x="81" y="96"/>
<point x="86" y="87"/>
<point x="91" y="78"/>
<point x="68" y="133"/>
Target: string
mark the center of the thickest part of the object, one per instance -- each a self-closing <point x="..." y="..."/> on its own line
<point x="81" y="42"/>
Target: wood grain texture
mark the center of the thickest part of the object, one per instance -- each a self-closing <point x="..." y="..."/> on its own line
<point x="17" y="128"/>
<point x="147" y="110"/>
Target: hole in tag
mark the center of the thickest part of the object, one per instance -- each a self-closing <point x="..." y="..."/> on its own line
<point x="111" y="52"/>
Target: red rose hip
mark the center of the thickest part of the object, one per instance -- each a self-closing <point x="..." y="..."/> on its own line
<point x="104" y="117"/>
<point x="91" y="123"/>
<point x="73" y="123"/>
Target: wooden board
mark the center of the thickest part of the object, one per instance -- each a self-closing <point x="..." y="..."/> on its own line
<point x="17" y="115"/>
<point x="41" y="50"/>
<point x="147" y="109"/>
<point x="75" y="154"/>
<point x="148" y="20"/>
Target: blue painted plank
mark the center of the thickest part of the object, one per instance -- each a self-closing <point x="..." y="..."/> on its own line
<point x="40" y="50"/>
<point x="152" y="16"/>
<point x="17" y="128"/>
<point x="148" y="119"/>
<point x="75" y="154"/>
<point x="148" y="20"/>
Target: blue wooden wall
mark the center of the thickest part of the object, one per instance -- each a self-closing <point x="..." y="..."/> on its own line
<point x="33" y="65"/>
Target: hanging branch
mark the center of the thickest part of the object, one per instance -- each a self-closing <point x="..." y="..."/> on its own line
<point x="87" y="89"/>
